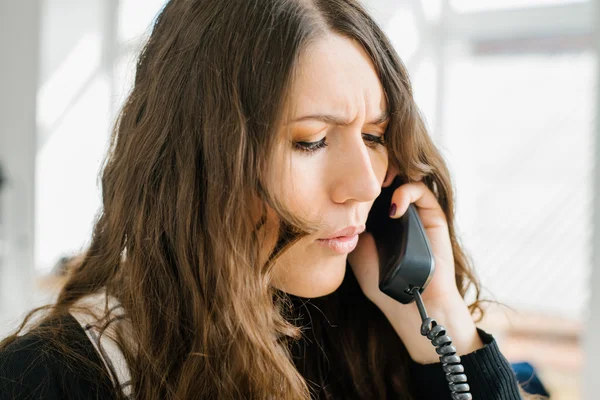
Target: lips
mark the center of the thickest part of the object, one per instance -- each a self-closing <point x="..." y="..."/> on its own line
<point x="346" y="232"/>
<point x="340" y="245"/>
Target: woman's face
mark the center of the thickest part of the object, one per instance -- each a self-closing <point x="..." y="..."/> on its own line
<point x="336" y="98"/>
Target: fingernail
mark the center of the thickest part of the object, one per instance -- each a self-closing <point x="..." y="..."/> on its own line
<point x="393" y="210"/>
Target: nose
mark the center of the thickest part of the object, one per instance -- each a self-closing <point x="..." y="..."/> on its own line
<point x="353" y="172"/>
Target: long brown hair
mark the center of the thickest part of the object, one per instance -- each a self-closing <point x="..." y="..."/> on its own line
<point x="176" y="240"/>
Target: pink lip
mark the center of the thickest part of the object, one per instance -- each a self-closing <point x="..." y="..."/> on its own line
<point x="341" y="245"/>
<point x="346" y="232"/>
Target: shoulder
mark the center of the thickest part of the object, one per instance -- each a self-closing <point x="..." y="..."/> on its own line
<point x="53" y="361"/>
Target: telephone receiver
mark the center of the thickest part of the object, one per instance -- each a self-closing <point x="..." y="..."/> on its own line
<point x="405" y="257"/>
<point x="406" y="265"/>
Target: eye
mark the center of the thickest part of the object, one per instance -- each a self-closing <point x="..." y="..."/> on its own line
<point x="312" y="147"/>
<point x="374" y="140"/>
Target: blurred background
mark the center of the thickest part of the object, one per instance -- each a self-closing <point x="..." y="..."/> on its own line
<point x="509" y="92"/>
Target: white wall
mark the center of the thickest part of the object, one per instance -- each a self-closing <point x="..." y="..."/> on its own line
<point x="73" y="126"/>
<point x="19" y="49"/>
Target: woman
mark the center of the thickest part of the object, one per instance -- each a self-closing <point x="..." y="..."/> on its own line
<point x="257" y="129"/>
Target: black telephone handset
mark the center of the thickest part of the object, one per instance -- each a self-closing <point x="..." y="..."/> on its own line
<point x="406" y="266"/>
<point x="405" y="257"/>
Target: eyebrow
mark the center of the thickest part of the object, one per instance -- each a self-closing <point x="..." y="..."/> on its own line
<point x="341" y="121"/>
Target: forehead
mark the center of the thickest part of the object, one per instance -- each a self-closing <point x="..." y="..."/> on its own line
<point x="335" y="74"/>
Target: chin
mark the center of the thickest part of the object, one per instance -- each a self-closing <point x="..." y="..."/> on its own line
<point x="320" y="279"/>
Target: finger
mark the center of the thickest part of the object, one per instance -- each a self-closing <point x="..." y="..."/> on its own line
<point x="417" y="193"/>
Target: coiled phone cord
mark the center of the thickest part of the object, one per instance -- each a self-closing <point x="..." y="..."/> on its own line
<point x="457" y="380"/>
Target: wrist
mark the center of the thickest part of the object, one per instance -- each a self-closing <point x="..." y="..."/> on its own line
<point x="452" y="313"/>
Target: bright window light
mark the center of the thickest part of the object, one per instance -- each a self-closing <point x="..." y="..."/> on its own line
<point x="402" y="31"/>
<point x="136" y="17"/>
<point x="478" y="5"/>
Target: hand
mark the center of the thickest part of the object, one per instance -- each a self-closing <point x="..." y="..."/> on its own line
<point x="441" y="297"/>
<point x="365" y="263"/>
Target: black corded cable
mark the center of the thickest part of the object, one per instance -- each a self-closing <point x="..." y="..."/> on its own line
<point x="457" y="380"/>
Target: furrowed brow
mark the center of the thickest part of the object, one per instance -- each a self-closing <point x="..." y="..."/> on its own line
<point x="339" y="120"/>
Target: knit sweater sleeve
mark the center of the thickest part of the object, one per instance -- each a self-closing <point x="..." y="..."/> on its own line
<point x="489" y="375"/>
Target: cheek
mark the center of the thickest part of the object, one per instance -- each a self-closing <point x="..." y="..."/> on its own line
<point x="303" y="185"/>
<point x="380" y="163"/>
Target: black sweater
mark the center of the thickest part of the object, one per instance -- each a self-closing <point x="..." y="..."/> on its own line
<point x="30" y="369"/>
